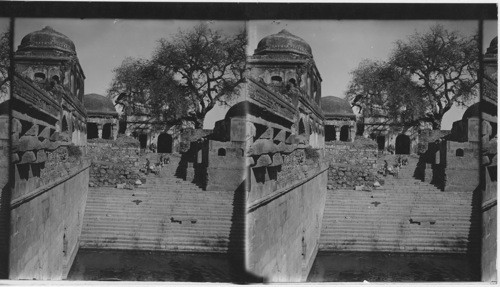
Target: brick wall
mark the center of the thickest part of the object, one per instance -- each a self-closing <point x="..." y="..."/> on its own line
<point x="113" y="164"/>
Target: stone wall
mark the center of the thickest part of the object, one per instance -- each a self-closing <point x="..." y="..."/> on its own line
<point x="284" y="219"/>
<point x="462" y="166"/>
<point x="351" y="166"/>
<point x="4" y="195"/>
<point x="113" y="164"/>
<point x="489" y="245"/>
<point x="46" y="226"/>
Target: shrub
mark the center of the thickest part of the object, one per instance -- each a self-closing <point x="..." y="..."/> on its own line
<point x="74" y="151"/>
<point x="311" y="153"/>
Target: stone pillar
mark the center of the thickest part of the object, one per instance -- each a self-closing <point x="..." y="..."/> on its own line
<point x="352" y="133"/>
<point x="99" y="131"/>
<point x="190" y="172"/>
<point x="114" y="131"/>
<point x="337" y="133"/>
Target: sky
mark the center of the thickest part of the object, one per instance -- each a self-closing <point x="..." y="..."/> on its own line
<point x="338" y="45"/>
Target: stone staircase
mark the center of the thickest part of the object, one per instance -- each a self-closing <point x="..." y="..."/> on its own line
<point x="404" y="215"/>
<point x="164" y="214"/>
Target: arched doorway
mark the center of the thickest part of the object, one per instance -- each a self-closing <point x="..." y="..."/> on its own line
<point x="165" y="143"/>
<point x="344" y="133"/>
<point x="330" y="133"/>
<point x="403" y="144"/>
<point x="381" y="142"/>
<point x="64" y="126"/>
<point x="143" y="141"/>
<point x="92" y="132"/>
<point x="106" y="131"/>
<point x="302" y="128"/>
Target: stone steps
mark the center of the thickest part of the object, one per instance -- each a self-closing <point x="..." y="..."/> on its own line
<point x="114" y="220"/>
<point x="351" y="222"/>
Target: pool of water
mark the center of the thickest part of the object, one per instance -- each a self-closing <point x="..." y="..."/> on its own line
<point x="115" y="265"/>
<point x="391" y="267"/>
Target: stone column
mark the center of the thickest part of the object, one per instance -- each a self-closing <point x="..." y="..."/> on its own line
<point x="114" y="131"/>
<point x="352" y="133"/>
<point x="99" y="131"/>
<point x="337" y="133"/>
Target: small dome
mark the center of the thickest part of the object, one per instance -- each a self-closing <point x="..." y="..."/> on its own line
<point x="472" y="111"/>
<point x="98" y="105"/>
<point x="493" y="48"/>
<point x="334" y="106"/>
<point x="283" y="42"/>
<point x="45" y="39"/>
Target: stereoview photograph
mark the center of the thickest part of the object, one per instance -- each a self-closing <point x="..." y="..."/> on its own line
<point x="252" y="151"/>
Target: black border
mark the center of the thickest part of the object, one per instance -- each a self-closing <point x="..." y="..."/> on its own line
<point x="249" y="11"/>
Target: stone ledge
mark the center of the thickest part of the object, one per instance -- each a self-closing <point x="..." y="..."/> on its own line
<point x="278" y="193"/>
<point x="488" y="204"/>
<point x="37" y="192"/>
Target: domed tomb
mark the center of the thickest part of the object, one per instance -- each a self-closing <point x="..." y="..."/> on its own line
<point x="340" y="120"/>
<point x="283" y="42"/>
<point x="102" y="118"/>
<point x="493" y="48"/>
<point x="46" y="39"/>
<point x="334" y="106"/>
<point x="98" y="105"/>
<point x="48" y="58"/>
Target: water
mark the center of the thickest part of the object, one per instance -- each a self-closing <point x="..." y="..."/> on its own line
<point x="127" y="265"/>
<point x="391" y="267"/>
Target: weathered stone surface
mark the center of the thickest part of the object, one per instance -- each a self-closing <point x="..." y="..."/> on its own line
<point x="55" y="136"/>
<point x="262" y="146"/>
<point x="53" y="145"/>
<point x="4" y="127"/>
<point x="250" y="130"/>
<point x="238" y="132"/>
<point x="268" y="134"/>
<point x="15" y="157"/>
<point x="28" y="143"/>
<point x="111" y="165"/>
<point x="41" y="156"/>
<point x="33" y="131"/>
<point x="263" y="160"/>
<point x="291" y="139"/>
<point x="290" y="148"/>
<point x="281" y="136"/>
<point x="249" y="161"/>
<point x="28" y="157"/>
<point x="16" y="125"/>
<point x="45" y="133"/>
<point x="277" y="159"/>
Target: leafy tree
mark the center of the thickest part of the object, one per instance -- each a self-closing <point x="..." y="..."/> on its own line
<point x="424" y="77"/>
<point x="4" y="65"/>
<point x="186" y="77"/>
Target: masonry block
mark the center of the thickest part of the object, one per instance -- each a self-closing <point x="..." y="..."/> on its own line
<point x="33" y="131"/>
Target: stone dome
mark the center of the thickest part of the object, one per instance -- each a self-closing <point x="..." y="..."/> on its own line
<point x="334" y="106"/>
<point x="98" y="105"/>
<point x="47" y="39"/>
<point x="493" y="48"/>
<point x="283" y="42"/>
<point x="472" y="111"/>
